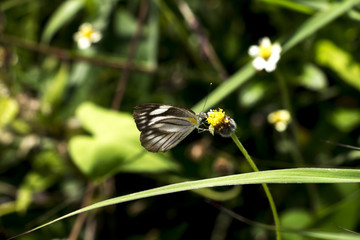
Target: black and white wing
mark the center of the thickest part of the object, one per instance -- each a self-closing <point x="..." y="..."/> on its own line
<point x="163" y="126"/>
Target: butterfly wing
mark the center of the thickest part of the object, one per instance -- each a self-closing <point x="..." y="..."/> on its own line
<point x="163" y="126"/>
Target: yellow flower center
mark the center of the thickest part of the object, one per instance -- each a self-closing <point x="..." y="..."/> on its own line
<point x="87" y="31"/>
<point x="265" y="51"/>
<point x="216" y="117"/>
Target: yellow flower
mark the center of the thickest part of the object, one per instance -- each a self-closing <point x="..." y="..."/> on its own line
<point x="216" y="117"/>
<point x="280" y="119"/>
<point x="220" y="123"/>
<point x="86" y="35"/>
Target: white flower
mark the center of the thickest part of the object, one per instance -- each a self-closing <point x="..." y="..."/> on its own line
<point x="86" y="35"/>
<point x="280" y="119"/>
<point x="266" y="55"/>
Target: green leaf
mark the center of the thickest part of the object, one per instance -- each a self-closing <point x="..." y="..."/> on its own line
<point x="313" y="78"/>
<point x="297" y="175"/>
<point x="330" y="235"/>
<point x="295" y="219"/>
<point x="114" y="146"/>
<point x="125" y="23"/>
<point x="293" y="5"/>
<point x="54" y="90"/>
<point x="345" y="119"/>
<point x="8" y="110"/>
<point x="252" y="93"/>
<point x="329" y="55"/>
<point x="211" y="193"/>
<point x="47" y="168"/>
<point x="63" y="15"/>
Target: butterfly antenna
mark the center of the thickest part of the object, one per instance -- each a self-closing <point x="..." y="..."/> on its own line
<point x="343" y="145"/>
<point x="207" y="97"/>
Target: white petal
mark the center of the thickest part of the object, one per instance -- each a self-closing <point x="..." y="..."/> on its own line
<point x="253" y="51"/>
<point x="259" y="63"/>
<point x="95" y="37"/>
<point x="85" y="26"/>
<point x="274" y="58"/>
<point x="276" y="48"/>
<point x="270" y="66"/>
<point x="83" y="43"/>
<point x="265" y="42"/>
<point x="280" y="126"/>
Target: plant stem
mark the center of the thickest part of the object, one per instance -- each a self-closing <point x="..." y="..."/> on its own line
<point x="295" y="149"/>
<point x="71" y="56"/>
<point x="121" y="86"/>
<point x="266" y="188"/>
<point x="293" y="126"/>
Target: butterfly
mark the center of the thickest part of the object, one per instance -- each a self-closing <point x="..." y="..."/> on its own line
<point x="163" y="126"/>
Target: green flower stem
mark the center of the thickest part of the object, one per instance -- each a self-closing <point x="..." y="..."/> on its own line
<point x="295" y="151"/>
<point x="266" y="188"/>
<point x="287" y="105"/>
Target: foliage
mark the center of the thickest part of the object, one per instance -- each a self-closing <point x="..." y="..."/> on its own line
<point x="68" y="139"/>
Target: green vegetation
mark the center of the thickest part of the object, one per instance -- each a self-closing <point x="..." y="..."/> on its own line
<point x="71" y="163"/>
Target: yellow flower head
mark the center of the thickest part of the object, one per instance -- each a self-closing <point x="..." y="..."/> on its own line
<point x="220" y="123"/>
<point x="280" y="119"/>
<point x="216" y="117"/>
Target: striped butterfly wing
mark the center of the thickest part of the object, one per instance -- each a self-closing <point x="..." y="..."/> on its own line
<point x="163" y="126"/>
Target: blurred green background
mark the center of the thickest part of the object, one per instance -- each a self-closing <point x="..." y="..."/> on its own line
<point x="67" y="137"/>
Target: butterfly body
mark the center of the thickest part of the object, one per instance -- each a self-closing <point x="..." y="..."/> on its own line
<point x="164" y="126"/>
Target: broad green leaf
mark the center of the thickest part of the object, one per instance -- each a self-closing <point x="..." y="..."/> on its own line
<point x="341" y="62"/>
<point x="296" y="219"/>
<point x="8" y="110"/>
<point x="114" y="147"/>
<point x="63" y="15"/>
<point x="345" y="119"/>
<point x="297" y="175"/>
<point x="313" y="78"/>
